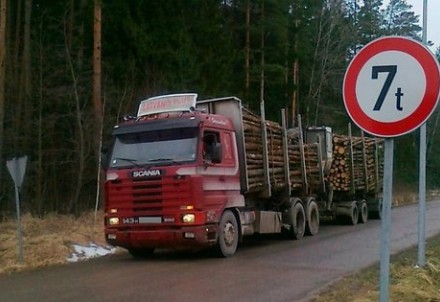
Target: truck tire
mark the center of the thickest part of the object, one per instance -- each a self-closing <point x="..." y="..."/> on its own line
<point x="141" y="252"/>
<point x="296" y="220"/>
<point x="377" y="212"/>
<point x="312" y="215"/>
<point x="363" y="211"/>
<point x="228" y="235"/>
<point x="354" y="211"/>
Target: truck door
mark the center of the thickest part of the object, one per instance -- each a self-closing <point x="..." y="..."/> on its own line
<point x="220" y="171"/>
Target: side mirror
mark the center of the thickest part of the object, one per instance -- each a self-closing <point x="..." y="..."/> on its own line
<point x="104" y="157"/>
<point x="216" y="155"/>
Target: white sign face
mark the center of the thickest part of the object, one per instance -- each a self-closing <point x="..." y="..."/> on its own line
<point x="168" y="103"/>
<point x="398" y="103"/>
<point x="17" y="168"/>
<point x="392" y="86"/>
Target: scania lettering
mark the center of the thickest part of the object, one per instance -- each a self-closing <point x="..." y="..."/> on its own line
<point x="146" y="173"/>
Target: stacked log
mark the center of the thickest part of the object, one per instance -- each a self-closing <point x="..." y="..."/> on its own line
<point x="355" y="171"/>
<point x="311" y="162"/>
<point x="253" y="141"/>
<point x="254" y="155"/>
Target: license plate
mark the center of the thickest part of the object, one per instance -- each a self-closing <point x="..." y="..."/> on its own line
<point x="150" y="219"/>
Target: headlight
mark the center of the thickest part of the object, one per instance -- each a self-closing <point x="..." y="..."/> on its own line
<point x="188" y="218"/>
<point x="113" y="220"/>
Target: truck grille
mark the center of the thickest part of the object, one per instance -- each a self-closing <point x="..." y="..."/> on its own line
<point x="149" y="196"/>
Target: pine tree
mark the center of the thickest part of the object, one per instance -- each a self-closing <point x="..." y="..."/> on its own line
<point x="370" y="21"/>
<point x="400" y="20"/>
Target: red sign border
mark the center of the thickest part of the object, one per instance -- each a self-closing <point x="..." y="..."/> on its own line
<point x="430" y="99"/>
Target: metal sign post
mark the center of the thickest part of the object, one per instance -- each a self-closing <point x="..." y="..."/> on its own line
<point x="386" y="219"/>
<point x="17" y="168"/>
<point x="422" y="171"/>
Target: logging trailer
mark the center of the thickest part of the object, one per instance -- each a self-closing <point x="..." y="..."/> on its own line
<point x="194" y="174"/>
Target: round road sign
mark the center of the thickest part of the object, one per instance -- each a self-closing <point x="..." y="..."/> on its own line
<point x="391" y="86"/>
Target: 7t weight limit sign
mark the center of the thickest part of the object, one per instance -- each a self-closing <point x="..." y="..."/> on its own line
<point x="391" y="86"/>
<point x="379" y="85"/>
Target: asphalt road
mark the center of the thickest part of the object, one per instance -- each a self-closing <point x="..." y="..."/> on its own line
<point x="264" y="269"/>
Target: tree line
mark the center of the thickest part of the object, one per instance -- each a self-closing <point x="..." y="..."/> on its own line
<point x="70" y="69"/>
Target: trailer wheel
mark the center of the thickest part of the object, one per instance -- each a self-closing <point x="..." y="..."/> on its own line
<point x="141" y="252"/>
<point x="377" y="213"/>
<point x="363" y="211"/>
<point x="354" y="211"/>
<point x="296" y="220"/>
<point x="228" y="235"/>
<point x="312" y="226"/>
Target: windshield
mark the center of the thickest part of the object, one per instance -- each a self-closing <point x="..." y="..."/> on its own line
<point x="160" y="147"/>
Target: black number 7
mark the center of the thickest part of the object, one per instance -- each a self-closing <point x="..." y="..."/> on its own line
<point x="391" y="69"/>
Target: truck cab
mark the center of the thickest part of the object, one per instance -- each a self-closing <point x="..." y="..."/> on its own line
<point x="171" y="173"/>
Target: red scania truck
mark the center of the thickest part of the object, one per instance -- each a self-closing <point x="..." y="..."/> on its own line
<point x="194" y="174"/>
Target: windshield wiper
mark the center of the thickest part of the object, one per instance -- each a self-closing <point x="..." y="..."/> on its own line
<point x="160" y="159"/>
<point x="130" y="160"/>
<point x="166" y="161"/>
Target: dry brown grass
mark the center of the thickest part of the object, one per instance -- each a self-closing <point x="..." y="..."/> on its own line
<point x="47" y="241"/>
<point x="407" y="281"/>
<point x="404" y="198"/>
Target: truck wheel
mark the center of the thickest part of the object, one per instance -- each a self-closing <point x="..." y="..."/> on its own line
<point x="141" y="252"/>
<point x="377" y="214"/>
<point x="296" y="220"/>
<point x="228" y="235"/>
<point x="354" y="217"/>
<point x="312" y="226"/>
<point x="363" y="211"/>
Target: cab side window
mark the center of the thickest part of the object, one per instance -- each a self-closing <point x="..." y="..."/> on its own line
<point x="211" y="146"/>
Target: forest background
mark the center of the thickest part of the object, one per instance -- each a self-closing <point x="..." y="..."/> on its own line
<point x="69" y="70"/>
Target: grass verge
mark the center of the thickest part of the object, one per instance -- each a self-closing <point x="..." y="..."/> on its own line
<point x="47" y="241"/>
<point x="407" y="282"/>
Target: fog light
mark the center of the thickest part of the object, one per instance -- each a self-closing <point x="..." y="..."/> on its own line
<point x="113" y="211"/>
<point x="188" y="218"/>
<point x="111" y="236"/>
<point x="187" y="207"/>
<point x="113" y="220"/>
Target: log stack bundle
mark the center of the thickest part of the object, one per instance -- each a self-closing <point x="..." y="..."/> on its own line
<point x="354" y="163"/>
<point x="311" y="165"/>
<point x="253" y="140"/>
<point x="254" y="155"/>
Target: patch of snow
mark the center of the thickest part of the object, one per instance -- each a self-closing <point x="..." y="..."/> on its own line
<point x="91" y="251"/>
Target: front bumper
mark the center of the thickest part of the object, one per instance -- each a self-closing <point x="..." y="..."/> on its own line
<point x="184" y="237"/>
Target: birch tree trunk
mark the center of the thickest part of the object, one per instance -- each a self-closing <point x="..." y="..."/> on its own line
<point x="26" y="78"/>
<point x="3" y="9"/>
<point x="247" y="51"/>
<point x="73" y="203"/>
<point x="262" y="53"/>
<point x="97" y="101"/>
<point x="295" y="75"/>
